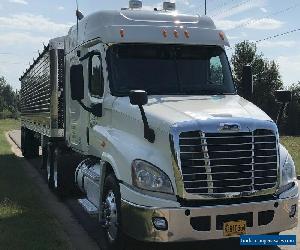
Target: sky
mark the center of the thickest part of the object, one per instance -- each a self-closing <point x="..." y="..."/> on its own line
<point x="25" y="25"/>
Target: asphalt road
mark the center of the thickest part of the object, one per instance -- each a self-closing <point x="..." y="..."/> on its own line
<point x="95" y="232"/>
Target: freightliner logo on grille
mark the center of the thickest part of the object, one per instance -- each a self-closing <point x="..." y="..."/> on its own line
<point x="229" y="127"/>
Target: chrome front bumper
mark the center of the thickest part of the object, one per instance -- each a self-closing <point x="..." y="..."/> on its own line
<point x="137" y="220"/>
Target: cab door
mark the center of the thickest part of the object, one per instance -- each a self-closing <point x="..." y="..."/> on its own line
<point x="94" y="89"/>
<point x="73" y="107"/>
<point x="91" y="110"/>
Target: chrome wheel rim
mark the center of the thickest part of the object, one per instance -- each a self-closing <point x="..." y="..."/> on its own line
<point x="111" y="216"/>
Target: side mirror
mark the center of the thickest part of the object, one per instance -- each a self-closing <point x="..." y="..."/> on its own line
<point x="77" y="82"/>
<point x="138" y="97"/>
<point x="247" y="82"/>
<point x="283" y="96"/>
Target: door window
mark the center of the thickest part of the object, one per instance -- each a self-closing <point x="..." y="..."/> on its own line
<point x="96" y="81"/>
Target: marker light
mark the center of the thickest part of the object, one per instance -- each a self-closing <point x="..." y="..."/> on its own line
<point x="222" y="35"/>
<point x="187" y="34"/>
<point x="176" y="34"/>
<point x="165" y="33"/>
<point x="122" y="33"/>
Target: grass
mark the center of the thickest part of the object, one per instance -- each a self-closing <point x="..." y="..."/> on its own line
<point x="293" y="146"/>
<point x="24" y="222"/>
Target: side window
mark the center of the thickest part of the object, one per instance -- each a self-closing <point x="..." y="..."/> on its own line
<point x="216" y="71"/>
<point x="96" y="82"/>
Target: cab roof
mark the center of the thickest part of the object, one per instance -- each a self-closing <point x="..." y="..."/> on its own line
<point x="143" y="26"/>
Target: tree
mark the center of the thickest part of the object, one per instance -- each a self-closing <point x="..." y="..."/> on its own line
<point x="9" y="100"/>
<point x="2" y="84"/>
<point x="292" y="125"/>
<point x="266" y="78"/>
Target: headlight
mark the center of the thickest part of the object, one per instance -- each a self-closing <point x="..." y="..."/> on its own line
<point x="288" y="174"/>
<point x="147" y="176"/>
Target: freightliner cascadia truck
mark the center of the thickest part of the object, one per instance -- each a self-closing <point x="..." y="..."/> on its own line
<point x="138" y="110"/>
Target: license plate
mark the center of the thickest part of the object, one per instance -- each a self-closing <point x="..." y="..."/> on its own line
<point x="232" y="228"/>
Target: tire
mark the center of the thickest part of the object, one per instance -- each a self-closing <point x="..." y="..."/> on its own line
<point x="60" y="165"/>
<point x="114" y="237"/>
<point x="29" y="144"/>
<point x="44" y="157"/>
<point x="51" y="166"/>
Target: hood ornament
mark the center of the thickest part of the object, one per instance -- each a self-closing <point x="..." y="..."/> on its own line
<point x="230" y="127"/>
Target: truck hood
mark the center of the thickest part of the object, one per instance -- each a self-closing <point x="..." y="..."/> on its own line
<point x="164" y="111"/>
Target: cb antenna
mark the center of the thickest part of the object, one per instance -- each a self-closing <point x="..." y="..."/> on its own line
<point x="205" y="6"/>
<point x="79" y="16"/>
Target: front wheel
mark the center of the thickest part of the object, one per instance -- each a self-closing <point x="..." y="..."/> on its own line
<point x="111" y="217"/>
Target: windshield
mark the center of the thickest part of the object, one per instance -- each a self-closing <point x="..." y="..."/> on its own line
<point x="169" y="70"/>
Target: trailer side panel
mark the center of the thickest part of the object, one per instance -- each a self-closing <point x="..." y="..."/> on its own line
<point x="42" y="92"/>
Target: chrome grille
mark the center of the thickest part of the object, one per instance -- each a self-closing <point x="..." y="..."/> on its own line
<point x="215" y="163"/>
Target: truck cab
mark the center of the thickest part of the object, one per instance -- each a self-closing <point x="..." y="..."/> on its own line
<point x="168" y="150"/>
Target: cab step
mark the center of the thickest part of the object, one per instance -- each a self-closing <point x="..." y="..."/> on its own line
<point x="88" y="206"/>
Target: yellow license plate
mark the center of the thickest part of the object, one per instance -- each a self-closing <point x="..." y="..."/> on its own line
<point x="232" y="228"/>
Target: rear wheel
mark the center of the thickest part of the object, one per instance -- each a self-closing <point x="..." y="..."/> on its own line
<point x="44" y="157"/>
<point x="29" y="144"/>
<point x="52" y="166"/>
<point x="60" y="169"/>
<point x="112" y="214"/>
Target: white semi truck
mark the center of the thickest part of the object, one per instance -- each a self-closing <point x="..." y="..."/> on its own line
<point x="138" y="109"/>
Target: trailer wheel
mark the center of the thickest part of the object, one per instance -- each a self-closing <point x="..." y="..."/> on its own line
<point x="44" y="157"/>
<point x="114" y="237"/>
<point x="52" y="166"/>
<point x="60" y="169"/>
<point x="29" y="144"/>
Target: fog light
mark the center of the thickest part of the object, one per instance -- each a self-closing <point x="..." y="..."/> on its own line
<point x="293" y="211"/>
<point x="160" y="223"/>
